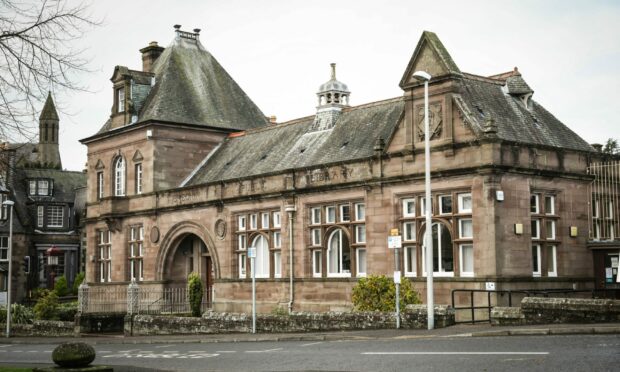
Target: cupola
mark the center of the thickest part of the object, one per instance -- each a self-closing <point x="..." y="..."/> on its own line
<point x="333" y="97"/>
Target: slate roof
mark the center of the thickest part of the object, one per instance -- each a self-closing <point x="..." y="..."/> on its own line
<point x="193" y="88"/>
<point x="294" y="145"/>
<point x="488" y="99"/>
<point x="49" y="109"/>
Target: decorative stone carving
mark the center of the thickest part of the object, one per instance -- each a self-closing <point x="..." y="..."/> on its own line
<point x="220" y="228"/>
<point x="154" y="234"/>
<point x="435" y="120"/>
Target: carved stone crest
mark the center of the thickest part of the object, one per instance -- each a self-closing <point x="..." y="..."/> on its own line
<point x="154" y="235"/>
<point x="220" y="228"/>
<point x="434" y="121"/>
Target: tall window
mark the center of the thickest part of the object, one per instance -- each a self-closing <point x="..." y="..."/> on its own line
<point x="119" y="176"/>
<point x="99" y="185"/>
<point x="268" y="244"/>
<point x="138" y="180"/>
<point x="337" y="239"/>
<point x="55" y="216"/>
<point x="338" y="254"/>
<point x="104" y="255"/>
<point x="4" y="214"/>
<point x="4" y="248"/>
<point x="262" y="256"/>
<point x="40" y="215"/>
<point x="544" y="232"/>
<point x="120" y="99"/>
<point x="443" y="255"/>
<point x="136" y="253"/>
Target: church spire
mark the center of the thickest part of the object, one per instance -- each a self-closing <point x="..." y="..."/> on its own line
<point x="49" y="156"/>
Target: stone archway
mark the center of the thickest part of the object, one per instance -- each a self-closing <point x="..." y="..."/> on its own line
<point x="188" y="247"/>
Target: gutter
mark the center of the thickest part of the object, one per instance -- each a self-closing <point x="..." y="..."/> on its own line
<point x="290" y="210"/>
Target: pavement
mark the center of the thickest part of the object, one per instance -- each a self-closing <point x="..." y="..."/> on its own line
<point x="459" y="330"/>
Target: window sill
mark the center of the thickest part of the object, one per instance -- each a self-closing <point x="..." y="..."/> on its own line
<point x="344" y="275"/>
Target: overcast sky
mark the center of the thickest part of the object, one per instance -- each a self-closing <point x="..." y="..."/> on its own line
<point x="279" y="52"/>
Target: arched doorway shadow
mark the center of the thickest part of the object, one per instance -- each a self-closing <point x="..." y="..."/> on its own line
<point x="188" y="247"/>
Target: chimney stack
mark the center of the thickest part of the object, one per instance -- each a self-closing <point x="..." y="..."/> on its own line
<point x="150" y="55"/>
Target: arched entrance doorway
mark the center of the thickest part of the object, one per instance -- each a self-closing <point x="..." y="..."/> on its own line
<point x="190" y="254"/>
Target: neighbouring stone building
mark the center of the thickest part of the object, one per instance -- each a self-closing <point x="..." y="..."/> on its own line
<point x="187" y="174"/>
<point x="48" y="203"/>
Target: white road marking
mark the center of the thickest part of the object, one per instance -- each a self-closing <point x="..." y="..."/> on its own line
<point x="9" y="345"/>
<point x="263" y="351"/>
<point x="33" y="351"/>
<point x="226" y="351"/>
<point x="456" y="353"/>
<point x="312" y="343"/>
<point x="165" y="355"/>
<point x="18" y="351"/>
<point x="163" y="346"/>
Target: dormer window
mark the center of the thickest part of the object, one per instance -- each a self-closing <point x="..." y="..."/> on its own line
<point x="40" y="187"/>
<point x="120" y="99"/>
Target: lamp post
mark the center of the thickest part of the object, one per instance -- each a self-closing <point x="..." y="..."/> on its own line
<point x="428" y="238"/>
<point x="10" y="204"/>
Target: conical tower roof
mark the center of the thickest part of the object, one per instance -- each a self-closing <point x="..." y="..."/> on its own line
<point x="193" y="88"/>
<point x="49" y="109"/>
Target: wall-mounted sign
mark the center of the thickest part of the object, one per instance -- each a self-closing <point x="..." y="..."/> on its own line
<point x="395" y="242"/>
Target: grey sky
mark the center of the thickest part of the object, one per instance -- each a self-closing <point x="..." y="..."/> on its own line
<point x="279" y="52"/>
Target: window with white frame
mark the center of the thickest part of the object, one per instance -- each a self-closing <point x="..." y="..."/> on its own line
<point x="338" y="254"/>
<point x="595" y="208"/>
<point x="40" y="187"/>
<point x="119" y="176"/>
<point x="317" y="263"/>
<point x="138" y="181"/>
<point x="330" y="214"/>
<point x="32" y="187"/>
<point x="261" y="262"/>
<point x="409" y="207"/>
<point x="467" y="259"/>
<point x="443" y="255"/>
<point x="535" y="229"/>
<point x="549" y="204"/>
<point x="361" y="262"/>
<point x="253" y="221"/>
<point x="242" y="265"/>
<point x="242" y="242"/>
<point x="360" y="211"/>
<point x="315" y="216"/>
<point x="241" y="223"/>
<point x="120" y="99"/>
<point x="3" y="208"/>
<point x="55" y="216"/>
<point x="4" y="248"/>
<point x="445" y="204"/>
<point x="409" y="234"/>
<point x="277" y="220"/>
<point x="277" y="265"/>
<point x="410" y="260"/>
<point x="264" y="220"/>
<point x="550" y="229"/>
<point x="423" y="206"/>
<point x="535" y="204"/>
<point x="277" y="239"/>
<point x="552" y="264"/>
<point x="466" y="230"/>
<point x="43" y="187"/>
<point x="339" y="245"/>
<point x="345" y="213"/>
<point x="465" y="203"/>
<point x="136" y="253"/>
<point x="536" y="260"/>
<point x="104" y="255"/>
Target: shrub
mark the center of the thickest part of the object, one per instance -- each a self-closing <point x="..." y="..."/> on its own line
<point x="378" y="293"/>
<point x="194" y="289"/>
<point x="66" y="311"/>
<point x="61" y="287"/>
<point x="79" y="278"/>
<point x="20" y="314"/>
<point x="47" y="307"/>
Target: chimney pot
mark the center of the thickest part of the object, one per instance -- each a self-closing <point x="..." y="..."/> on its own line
<point x="196" y="31"/>
<point x="150" y="54"/>
<point x="177" y="27"/>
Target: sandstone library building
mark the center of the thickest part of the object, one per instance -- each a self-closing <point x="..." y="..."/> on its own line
<point x="188" y="173"/>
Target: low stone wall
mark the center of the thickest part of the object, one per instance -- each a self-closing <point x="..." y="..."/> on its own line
<point x="211" y="322"/>
<point x="99" y="323"/>
<point x="536" y="310"/>
<point x="42" y="328"/>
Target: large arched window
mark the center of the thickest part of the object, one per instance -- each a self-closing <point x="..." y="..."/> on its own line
<point x="119" y="176"/>
<point x="262" y="257"/>
<point x="443" y="254"/>
<point x="338" y="254"/>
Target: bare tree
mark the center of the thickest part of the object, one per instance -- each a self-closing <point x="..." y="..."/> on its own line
<point x="37" y="55"/>
<point x="611" y="147"/>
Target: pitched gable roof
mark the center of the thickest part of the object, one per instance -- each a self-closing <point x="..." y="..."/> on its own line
<point x="295" y="145"/>
<point x="193" y="88"/>
<point x="431" y="56"/>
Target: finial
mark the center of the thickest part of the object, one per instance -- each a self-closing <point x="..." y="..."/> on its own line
<point x="516" y="72"/>
<point x="177" y="27"/>
<point x="333" y="70"/>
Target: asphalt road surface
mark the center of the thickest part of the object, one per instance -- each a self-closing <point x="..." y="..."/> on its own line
<point x="527" y="353"/>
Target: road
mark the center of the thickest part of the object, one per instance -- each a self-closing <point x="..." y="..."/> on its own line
<point x="515" y="353"/>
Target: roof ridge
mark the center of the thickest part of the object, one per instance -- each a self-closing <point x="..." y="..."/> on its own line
<point x="485" y="79"/>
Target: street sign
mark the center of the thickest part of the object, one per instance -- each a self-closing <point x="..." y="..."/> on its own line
<point x="395" y="242"/>
<point x="252" y="252"/>
<point x="397" y="277"/>
<point x="394" y="232"/>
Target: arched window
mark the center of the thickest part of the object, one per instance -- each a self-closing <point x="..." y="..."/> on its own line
<point x="338" y="254"/>
<point x="262" y="257"/>
<point x="443" y="254"/>
<point x="119" y="176"/>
